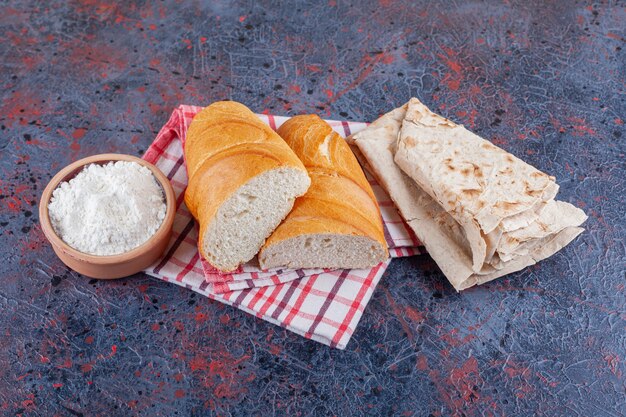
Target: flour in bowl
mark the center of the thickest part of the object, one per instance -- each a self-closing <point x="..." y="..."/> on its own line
<point x="108" y="209"/>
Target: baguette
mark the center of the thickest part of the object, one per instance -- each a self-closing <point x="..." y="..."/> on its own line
<point x="243" y="181"/>
<point x="337" y="223"/>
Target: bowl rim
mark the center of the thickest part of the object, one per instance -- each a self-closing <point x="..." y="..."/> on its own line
<point x="55" y="240"/>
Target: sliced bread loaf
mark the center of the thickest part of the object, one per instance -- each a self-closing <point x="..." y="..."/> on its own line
<point x="243" y="180"/>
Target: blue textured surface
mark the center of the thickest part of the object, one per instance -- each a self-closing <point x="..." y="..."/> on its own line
<point x="545" y="81"/>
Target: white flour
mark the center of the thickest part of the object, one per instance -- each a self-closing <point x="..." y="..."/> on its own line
<point x="108" y="209"/>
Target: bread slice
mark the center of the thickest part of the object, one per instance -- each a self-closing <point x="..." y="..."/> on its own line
<point x="247" y="217"/>
<point x="243" y="181"/>
<point x="337" y="223"/>
<point x="323" y="250"/>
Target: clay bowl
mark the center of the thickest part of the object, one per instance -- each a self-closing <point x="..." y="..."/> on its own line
<point x="109" y="266"/>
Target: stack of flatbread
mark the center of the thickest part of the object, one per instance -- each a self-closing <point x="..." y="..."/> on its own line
<point x="480" y="212"/>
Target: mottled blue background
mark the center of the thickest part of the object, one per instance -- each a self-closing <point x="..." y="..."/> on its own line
<point x="544" y="80"/>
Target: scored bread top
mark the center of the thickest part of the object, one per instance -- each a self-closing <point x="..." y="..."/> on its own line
<point x="340" y="199"/>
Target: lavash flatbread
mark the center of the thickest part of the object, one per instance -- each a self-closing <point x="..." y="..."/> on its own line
<point x="554" y="217"/>
<point x="444" y="238"/>
<point x="468" y="175"/>
<point x="478" y="183"/>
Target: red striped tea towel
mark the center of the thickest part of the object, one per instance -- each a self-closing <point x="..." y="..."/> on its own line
<point x="322" y="305"/>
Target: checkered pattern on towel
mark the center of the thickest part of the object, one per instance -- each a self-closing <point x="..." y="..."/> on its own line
<point x="322" y="305"/>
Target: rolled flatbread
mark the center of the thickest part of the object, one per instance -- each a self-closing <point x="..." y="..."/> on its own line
<point x="445" y="238"/>
<point x="554" y="217"/>
<point x="478" y="183"/>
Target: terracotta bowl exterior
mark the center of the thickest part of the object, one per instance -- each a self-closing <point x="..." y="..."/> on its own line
<point x="110" y="266"/>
